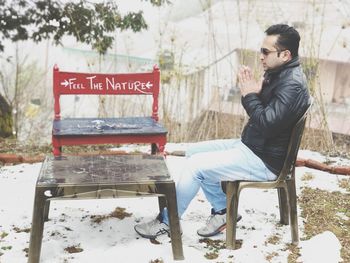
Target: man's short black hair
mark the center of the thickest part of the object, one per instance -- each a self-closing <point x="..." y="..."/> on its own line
<point x="288" y="38"/>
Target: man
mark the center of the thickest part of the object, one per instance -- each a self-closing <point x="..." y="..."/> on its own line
<point x="274" y="105"/>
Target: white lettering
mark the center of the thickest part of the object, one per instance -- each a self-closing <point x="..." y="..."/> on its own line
<point x="91" y="81"/>
<point x="72" y="85"/>
<point x="137" y="85"/>
<point x="97" y="86"/>
<point x="109" y="83"/>
<point x="124" y="85"/>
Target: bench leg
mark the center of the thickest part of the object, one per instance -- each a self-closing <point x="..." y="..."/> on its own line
<point x="175" y="232"/>
<point x="36" y="232"/>
<point x="57" y="148"/>
<point x="161" y="147"/>
<point x="154" y="148"/>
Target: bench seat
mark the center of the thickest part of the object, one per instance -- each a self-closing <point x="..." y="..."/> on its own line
<point x="109" y="126"/>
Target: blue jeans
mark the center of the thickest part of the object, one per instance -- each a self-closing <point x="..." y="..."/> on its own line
<point x="210" y="162"/>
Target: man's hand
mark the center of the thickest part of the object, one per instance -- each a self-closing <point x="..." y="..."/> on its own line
<point x="247" y="83"/>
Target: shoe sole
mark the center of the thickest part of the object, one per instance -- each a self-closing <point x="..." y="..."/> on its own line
<point x="151" y="236"/>
<point x="220" y="229"/>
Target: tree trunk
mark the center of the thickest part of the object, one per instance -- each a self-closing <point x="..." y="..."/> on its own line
<point x="5" y="118"/>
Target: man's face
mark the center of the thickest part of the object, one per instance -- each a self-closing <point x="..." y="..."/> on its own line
<point x="270" y="56"/>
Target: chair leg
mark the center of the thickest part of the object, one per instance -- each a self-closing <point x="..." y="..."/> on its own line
<point x="293" y="210"/>
<point x="283" y="206"/>
<point x="232" y="198"/>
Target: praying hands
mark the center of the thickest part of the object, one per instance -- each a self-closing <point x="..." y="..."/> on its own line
<point x="247" y="83"/>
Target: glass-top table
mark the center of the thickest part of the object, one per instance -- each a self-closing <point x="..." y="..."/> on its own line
<point x="103" y="176"/>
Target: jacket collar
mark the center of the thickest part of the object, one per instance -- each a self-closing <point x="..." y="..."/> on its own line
<point x="294" y="62"/>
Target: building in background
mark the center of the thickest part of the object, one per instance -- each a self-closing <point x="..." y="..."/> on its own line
<point x="199" y="46"/>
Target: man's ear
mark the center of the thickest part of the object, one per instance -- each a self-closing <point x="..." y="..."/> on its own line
<point x="286" y="55"/>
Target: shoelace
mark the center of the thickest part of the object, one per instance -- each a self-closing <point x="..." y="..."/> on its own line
<point x="161" y="230"/>
<point x="155" y="222"/>
<point x="209" y="219"/>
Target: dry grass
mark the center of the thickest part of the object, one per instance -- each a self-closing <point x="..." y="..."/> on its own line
<point x="270" y="256"/>
<point x="119" y="212"/>
<point x="273" y="239"/>
<point x="294" y="253"/>
<point x="74" y="249"/>
<point x="315" y="140"/>
<point x="307" y="177"/>
<point x="321" y="210"/>
<point x="215" y="125"/>
<point x="9" y="145"/>
<point x="345" y="183"/>
<point x="215" y="245"/>
<point x="209" y="125"/>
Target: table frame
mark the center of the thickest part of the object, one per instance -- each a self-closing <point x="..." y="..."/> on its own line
<point x="47" y="191"/>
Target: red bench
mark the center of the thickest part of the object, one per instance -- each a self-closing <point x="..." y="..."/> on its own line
<point x="121" y="130"/>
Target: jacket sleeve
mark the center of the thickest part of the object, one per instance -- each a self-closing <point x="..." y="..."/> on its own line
<point x="278" y="114"/>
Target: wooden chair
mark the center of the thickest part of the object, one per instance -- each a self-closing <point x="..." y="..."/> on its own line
<point x="285" y="184"/>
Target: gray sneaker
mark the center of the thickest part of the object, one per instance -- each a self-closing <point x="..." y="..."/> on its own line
<point x="153" y="228"/>
<point x="214" y="225"/>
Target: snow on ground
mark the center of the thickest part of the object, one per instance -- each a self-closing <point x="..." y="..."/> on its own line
<point x="326" y="240"/>
<point x="115" y="240"/>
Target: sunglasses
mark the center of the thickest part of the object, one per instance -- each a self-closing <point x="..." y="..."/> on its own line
<point x="266" y="51"/>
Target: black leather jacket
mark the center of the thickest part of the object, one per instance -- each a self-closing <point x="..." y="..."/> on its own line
<point x="272" y="113"/>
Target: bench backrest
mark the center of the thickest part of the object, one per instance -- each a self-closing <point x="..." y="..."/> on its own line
<point x="74" y="83"/>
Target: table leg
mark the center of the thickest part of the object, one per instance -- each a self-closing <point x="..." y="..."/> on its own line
<point x="161" y="203"/>
<point x="46" y="210"/>
<point x="175" y="232"/>
<point x="36" y="232"/>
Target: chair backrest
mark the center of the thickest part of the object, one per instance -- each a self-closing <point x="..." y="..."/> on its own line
<point x="73" y="83"/>
<point x="294" y="143"/>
